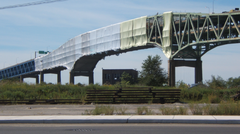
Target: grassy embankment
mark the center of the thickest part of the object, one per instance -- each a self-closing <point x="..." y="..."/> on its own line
<point x="22" y="91"/>
<point x="212" y="94"/>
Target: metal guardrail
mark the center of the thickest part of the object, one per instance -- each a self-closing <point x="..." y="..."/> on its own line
<point x="133" y="95"/>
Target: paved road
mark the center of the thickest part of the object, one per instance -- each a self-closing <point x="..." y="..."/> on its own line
<point x="118" y="129"/>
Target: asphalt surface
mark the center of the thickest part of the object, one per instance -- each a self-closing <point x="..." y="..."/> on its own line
<point x="118" y="129"/>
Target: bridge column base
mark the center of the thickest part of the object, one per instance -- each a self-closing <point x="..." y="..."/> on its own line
<point x="29" y="76"/>
<point x="37" y="79"/>
<point x="91" y="78"/>
<point x="171" y="72"/>
<point x="71" y="78"/>
<point x="59" y="77"/>
<point x="198" y="71"/>
<point x="21" y="78"/>
<point x="41" y="77"/>
<point x="172" y="64"/>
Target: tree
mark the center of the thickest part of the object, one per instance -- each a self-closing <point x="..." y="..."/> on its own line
<point x="152" y="74"/>
<point x="217" y="83"/>
<point x="127" y="79"/>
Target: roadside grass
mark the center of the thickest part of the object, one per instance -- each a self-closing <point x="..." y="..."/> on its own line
<point x="144" y="111"/>
<point x="224" y="108"/>
<point x="173" y="111"/>
<point x="207" y="95"/>
<point x="100" y="110"/>
<point x="121" y="110"/>
<point x="196" y="109"/>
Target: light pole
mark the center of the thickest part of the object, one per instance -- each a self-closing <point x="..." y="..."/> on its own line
<point x="213" y="5"/>
<point x="208" y="9"/>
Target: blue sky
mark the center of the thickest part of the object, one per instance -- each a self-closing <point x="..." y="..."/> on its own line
<point x="25" y="30"/>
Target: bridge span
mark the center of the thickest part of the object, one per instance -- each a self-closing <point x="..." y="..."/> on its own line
<point x="183" y="37"/>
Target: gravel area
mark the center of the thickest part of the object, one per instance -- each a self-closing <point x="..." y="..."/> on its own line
<point x="23" y="110"/>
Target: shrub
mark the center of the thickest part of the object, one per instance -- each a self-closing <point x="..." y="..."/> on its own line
<point x="217" y="83"/>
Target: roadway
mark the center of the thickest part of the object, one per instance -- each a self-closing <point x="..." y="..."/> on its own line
<point x="118" y="129"/>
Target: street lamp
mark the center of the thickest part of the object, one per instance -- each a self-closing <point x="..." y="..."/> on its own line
<point x="213" y="5"/>
<point x="208" y="9"/>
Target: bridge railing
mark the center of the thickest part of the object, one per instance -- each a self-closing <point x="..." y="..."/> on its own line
<point x="17" y="70"/>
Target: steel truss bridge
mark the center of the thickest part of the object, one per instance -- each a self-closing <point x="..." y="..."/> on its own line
<point x="183" y="37"/>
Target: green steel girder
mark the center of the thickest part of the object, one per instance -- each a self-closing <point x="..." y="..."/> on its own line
<point x="194" y="34"/>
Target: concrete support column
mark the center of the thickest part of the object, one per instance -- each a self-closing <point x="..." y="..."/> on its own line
<point x="59" y="77"/>
<point x="198" y="71"/>
<point x="171" y="72"/>
<point x="172" y="64"/>
<point x="21" y="78"/>
<point x="37" y="79"/>
<point x="91" y="78"/>
<point x="41" y="77"/>
<point x="71" y="78"/>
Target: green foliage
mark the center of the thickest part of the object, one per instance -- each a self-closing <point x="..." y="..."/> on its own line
<point x="182" y="85"/>
<point x="217" y="83"/>
<point x="215" y="91"/>
<point x="127" y="79"/>
<point x="207" y="95"/>
<point x="233" y="82"/>
<point x="227" y="108"/>
<point x="224" y="108"/>
<point x="152" y="74"/>
<point x="10" y="90"/>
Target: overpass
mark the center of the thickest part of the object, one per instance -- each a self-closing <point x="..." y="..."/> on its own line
<point x="183" y="37"/>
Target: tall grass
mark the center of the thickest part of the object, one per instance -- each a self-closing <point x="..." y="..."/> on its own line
<point x="207" y="95"/>
<point x="224" y="108"/>
<point x="10" y="90"/>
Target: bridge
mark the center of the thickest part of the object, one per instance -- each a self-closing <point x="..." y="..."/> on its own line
<point x="183" y="37"/>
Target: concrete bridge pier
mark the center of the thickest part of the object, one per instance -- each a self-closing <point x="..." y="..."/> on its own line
<point x="89" y="74"/>
<point x="21" y="79"/>
<point x="91" y="77"/>
<point x="172" y="64"/>
<point x="41" y="77"/>
<point x="59" y="77"/>
<point x="30" y="76"/>
<point x="50" y="72"/>
<point x="71" y="77"/>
